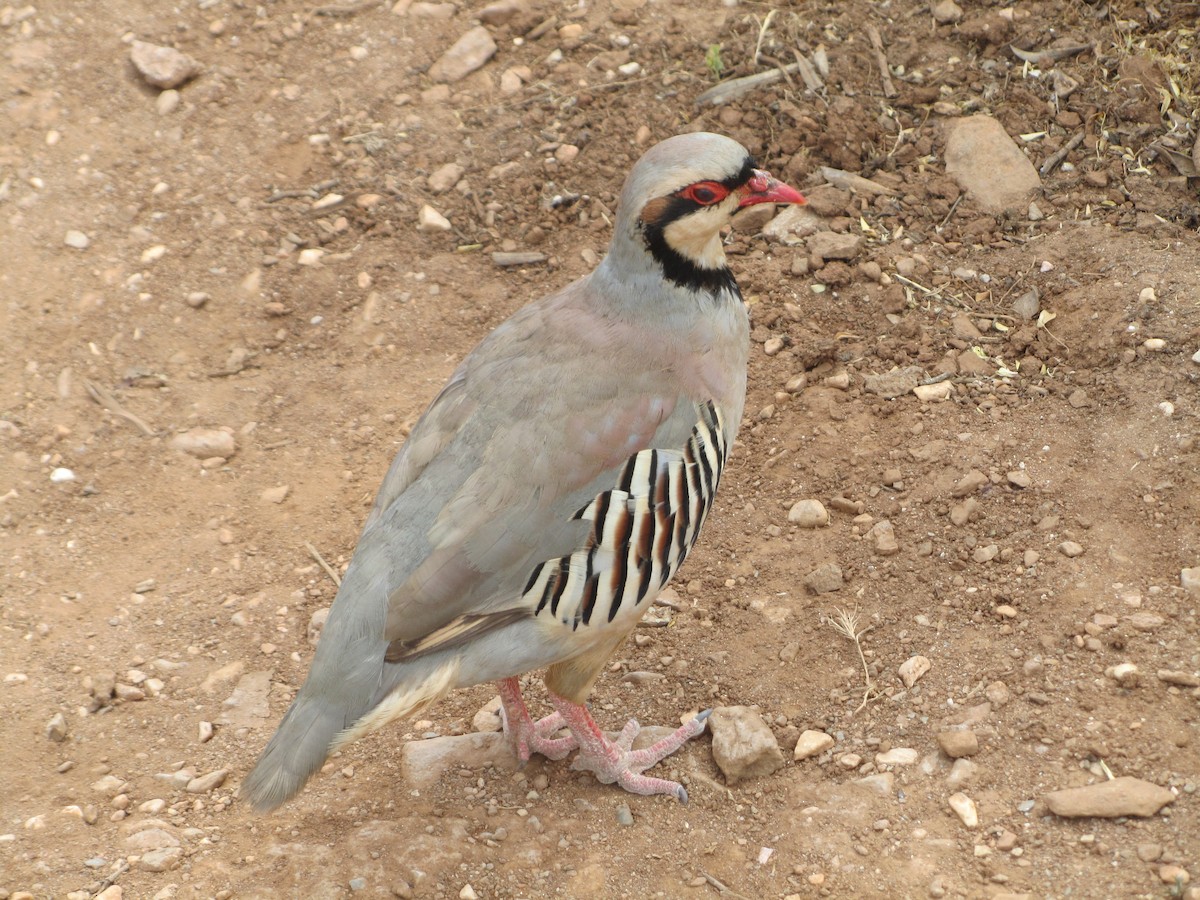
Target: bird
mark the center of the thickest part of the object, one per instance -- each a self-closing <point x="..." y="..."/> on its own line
<point x="550" y="491"/>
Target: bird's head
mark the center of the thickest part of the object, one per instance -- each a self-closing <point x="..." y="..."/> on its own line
<point x="680" y="195"/>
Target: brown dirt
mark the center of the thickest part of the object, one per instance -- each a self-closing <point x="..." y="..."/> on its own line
<point x="318" y="369"/>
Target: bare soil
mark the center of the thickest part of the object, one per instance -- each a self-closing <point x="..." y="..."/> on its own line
<point x="152" y="564"/>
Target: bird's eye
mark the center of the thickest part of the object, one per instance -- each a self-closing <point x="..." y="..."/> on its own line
<point x="706" y="193"/>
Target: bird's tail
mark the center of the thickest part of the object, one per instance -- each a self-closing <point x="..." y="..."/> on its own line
<point x="314" y="727"/>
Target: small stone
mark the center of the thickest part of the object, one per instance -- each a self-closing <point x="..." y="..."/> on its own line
<point x="1070" y="549"/>
<point x="624" y="815"/>
<point x="946" y="12"/>
<point x="1182" y="679"/>
<point x="1149" y="852"/>
<point x="1028" y="305"/>
<point x="849" y="761"/>
<point x="1078" y="398"/>
<point x="743" y="746"/>
<point x="1146" y="621"/>
<point x="1005" y="611"/>
<point x="1124" y="796"/>
<point x="895" y="383"/>
<point x="196" y="299"/>
<point x="934" y="393"/>
<point x="161" y="860"/>
<point x="833" y="245"/>
<point x="1189" y="580"/>
<point x="61" y="476"/>
<point x="445" y="177"/>
<point x="316" y="624"/>
<point x="997" y="693"/>
<point x="275" y="494"/>
<point x="468" y="53"/>
<point x="167" y="102"/>
<point x="56" y="728"/>
<point x="956" y="744"/>
<point x="897" y="756"/>
<point x="488" y="718"/>
<point x="824" y="579"/>
<point x="310" y="256"/>
<point x="468" y="893"/>
<point x="884" y="536"/>
<point x="914" y="669"/>
<point x="204" y="732"/>
<point x="811" y="743"/>
<point x="430" y="221"/>
<point x="163" y="67"/>
<point x="772" y="346"/>
<point x="961" y="774"/>
<point x="77" y="239"/>
<point x="808" y="514"/>
<point x="205" y="783"/>
<point x="752" y="219"/>
<point x="1175" y="875"/>
<point x="969" y="483"/>
<point x="204" y="443"/>
<point x="500" y="12"/>
<point x="988" y="165"/>
<point x="964" y="807"/>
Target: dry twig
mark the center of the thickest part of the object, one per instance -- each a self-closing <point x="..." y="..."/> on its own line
<point x="846" y="624"/>
<point x="108" y="401"/>
<point x="885" y="74"/>
<point x="329" y="570"/>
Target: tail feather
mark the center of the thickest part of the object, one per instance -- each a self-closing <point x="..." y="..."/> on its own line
<point x="311" y="730"/>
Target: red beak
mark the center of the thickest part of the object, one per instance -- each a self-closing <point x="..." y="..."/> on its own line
<point x="764" y="188"/>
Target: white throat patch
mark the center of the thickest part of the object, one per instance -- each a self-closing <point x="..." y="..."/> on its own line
<point x="697" y="236"/>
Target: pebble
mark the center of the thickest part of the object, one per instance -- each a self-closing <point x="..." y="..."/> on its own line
<point x="964" y="807"/>
<point x="112" y="892"/>
<point x="962" y="773"/>
<point x="468" y="893"/>
<point x="849" y="760"/>
<point x="824" y="579"/>
<point x="310" y="256"/>
<point x="1182" y="679"/>
<point x="934" y="393"/>
<point x="895" y="383"/>
<point x="1124" y="796"/>
<point x="624" y="815"/>
<point x="468" y="53"/>
<point x="897" y="756"/>
<point x="163" y="67"/>
<point x="445" y="177"/>
<point x="743" y="746"/>
<point x="161" y="860"/>
<point x="167" y="102"/>
<point x="205" y="783"/>
<point x="988" y="164"/>
<point x="204" y="732"/>
<point x="946" y="12"/>
<point x="832" y="245"/>
<point x="956" y="744"/>
<point x="809" y="514"/>
<point x="61" y="476"/>
<point x="430" y="221"/>
<point x="56" y="728"/>
<point x="1070" y="549"/>
<point x="77" y="239"/>
<point x="884" y="536"/>
<point x="811" y="743"/>
<point x="914" y="669"/>
<point x="276" y="494"/>
<point x="1189" y="580"/>
<point x="204" y="443"/>
<point x="1173" y="875"/>
<point x="969" y="483"/>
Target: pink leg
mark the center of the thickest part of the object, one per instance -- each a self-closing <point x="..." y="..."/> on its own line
<point x="529" y="737"/>
<point x="614" y="761"/>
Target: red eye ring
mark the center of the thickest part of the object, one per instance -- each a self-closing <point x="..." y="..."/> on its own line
<point x="705" y="193"/>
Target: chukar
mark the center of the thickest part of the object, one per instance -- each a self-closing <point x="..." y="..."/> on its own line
<point x="550" y="491"/>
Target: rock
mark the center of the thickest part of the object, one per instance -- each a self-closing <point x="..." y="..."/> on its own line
<point x="957" y="744"/>
<point x="964" y="807"/>
<point x="427" y="761"/>
<point x="109" y="785"/>
<point x="445" y="177"/>
<point x="969" y="483"/>
<point x="988" y="165"/>
<point x="500" y="12"/>
<point x="56" y="728"/>
<point x="112" y="892"/>
<point x="1125" y="796"/>
<point x="77" y="239"/>
<point x="946" y="12"/>
<point x="913" y="670"/>
<point x="275" y="494"/>
<point x="832" y="245"/>
<point x="742" y="744"/>
<point x="824" y="579"/>
<point x="971" y="363"/>
<point x="161" y="860"/>
<point x="467" y="54"/>
<point x="753" y="219"/>
<point x="1070" y="549"/>
<point x="204" y="732"/>
<point x="247" y="705"/>
<point x="883" y="783"/>
<point x="1173" y="875"/>
<point x="1189" y="580"/>
<point x="430" y="221"/>
<point x="884" y="536"/>
<point x="895" y="383"/>
<point x="811" y="743"/>
<point x="316" y="623"/>
<point x="934" y="393"/>
<point x="1028" y="305"/>
<point x="961" y="774"/>
<point x="204" y="443"/>
<point x="809" y="514"/>
<point x="897" y="756"/>
<point x="964" y="328"/>
<point x="163" y="67"/>
<point x="1019" y="478"/>
<point x="1182" y="679"/>
<point x="488" y="718"/>
<point x="205" y="783"/>
<point x="151" y="839"/>
<point x="167" y="102"/>
<point x="784" y="227"/>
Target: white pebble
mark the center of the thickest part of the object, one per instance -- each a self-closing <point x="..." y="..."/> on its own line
<point x="1167" y="408"/>
<point x="77" y="239"/>
<point x="61" y="475"/>
<point x="153" y="254"/>
<point x="1154" y="344"/>
<point x="964" y="807"/>
<point x="310" y="256"/>
<point x="1147" y="295"/>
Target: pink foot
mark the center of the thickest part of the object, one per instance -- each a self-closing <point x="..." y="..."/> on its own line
<point x="613" y="760"/>
<point x="527" y="736"/>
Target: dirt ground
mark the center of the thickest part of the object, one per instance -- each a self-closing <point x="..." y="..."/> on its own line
<point x="159" y="603"/>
